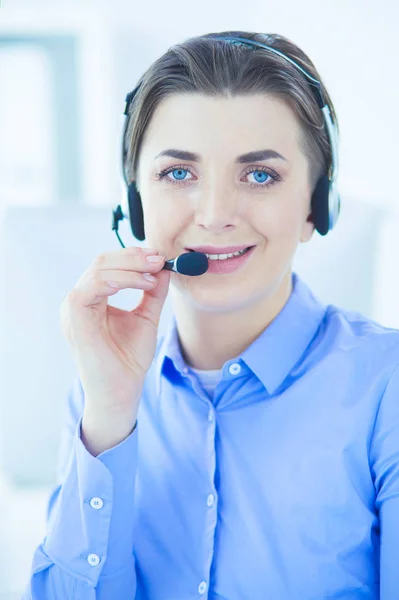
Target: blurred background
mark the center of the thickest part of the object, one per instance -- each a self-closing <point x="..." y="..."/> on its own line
<point x="65" y="69"/>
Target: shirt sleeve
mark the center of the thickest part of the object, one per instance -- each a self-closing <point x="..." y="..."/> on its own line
<point x="87" y="553"/>
<point x="384" y="462"/>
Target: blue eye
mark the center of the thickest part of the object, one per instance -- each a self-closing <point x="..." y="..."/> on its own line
<point x="180" y="171"/>
<point x="262" y="174"/>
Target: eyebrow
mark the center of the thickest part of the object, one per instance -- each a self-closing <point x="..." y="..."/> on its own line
<point x="243" y="158"/>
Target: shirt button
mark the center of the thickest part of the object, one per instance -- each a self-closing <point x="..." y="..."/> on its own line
<point x="185" y="370"/>
<point x="93" y="560"/>
<point x="210" y="500"/>
<point x="234" y="369"/>
<point x="96" y="503"/>
<point x="210" y="416"/>
<point x="202" y="587"/>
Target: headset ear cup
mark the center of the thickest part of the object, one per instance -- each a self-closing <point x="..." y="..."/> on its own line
<point x="319" y="205"/>
<point x="135" y="212"/>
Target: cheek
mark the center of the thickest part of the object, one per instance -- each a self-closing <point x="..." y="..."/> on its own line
<point x="163" y="222"/>
<point x="159" y="210"/>
<point x="281" y="222"/>
<point x="155" y="213"/>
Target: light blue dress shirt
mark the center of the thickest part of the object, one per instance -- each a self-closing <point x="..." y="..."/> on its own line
<point x="284" y="486"/>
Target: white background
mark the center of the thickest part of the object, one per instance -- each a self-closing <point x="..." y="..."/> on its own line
<point x="353" y="44"/>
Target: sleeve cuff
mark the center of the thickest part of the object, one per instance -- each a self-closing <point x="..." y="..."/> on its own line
<point x="90" y="529"/>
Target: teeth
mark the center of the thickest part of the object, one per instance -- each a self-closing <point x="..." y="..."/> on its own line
<point x="225" y="256"/>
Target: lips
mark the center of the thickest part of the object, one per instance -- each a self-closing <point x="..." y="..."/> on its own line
<point x="229" y="265"/>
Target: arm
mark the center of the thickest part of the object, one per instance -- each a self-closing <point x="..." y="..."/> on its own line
<point x="82" y="530"/>
<point x="384" y="459"/>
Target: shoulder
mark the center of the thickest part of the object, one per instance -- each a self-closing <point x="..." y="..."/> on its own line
<point x="361" y="338"/>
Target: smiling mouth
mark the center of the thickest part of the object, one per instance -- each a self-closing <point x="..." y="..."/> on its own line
<point x="240" y="253"/>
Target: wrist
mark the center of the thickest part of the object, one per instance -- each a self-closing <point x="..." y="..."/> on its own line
<point x="100" y="433"/>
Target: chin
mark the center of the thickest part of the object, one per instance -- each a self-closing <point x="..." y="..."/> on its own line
<point x="215" y="293"/>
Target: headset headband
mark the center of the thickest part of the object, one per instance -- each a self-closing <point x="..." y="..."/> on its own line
<point x="316" y="88"/>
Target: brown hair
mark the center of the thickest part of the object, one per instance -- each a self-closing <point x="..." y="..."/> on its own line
<point x="217" y="68"/>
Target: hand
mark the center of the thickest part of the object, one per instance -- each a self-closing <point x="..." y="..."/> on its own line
<point x="112" y="348"/>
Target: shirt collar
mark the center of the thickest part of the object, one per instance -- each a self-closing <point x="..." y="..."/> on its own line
<point x="274" y="353"/>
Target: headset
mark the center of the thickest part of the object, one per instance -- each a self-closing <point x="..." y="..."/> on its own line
<point x="325" y="201"/>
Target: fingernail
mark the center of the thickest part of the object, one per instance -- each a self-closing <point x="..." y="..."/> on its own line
<point x="149" y="251"/>
<point x="154" y="259"/>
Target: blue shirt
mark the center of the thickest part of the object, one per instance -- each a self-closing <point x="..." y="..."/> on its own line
<point x="284" y="486"/>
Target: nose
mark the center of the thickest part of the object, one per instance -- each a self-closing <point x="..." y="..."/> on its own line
<point x="218" y="208"/>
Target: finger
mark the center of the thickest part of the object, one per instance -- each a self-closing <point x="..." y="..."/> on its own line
<point x="95" y="287"/>
<point x="129" y="259"/>
<point x="153" y="299"/>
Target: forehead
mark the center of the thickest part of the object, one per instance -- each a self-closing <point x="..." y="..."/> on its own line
<point x="201" y="123"/>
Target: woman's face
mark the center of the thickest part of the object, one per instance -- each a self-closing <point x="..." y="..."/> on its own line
<point x="214" y="200"/>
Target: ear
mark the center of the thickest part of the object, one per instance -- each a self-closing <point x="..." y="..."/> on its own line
<point x="307" y="230"/>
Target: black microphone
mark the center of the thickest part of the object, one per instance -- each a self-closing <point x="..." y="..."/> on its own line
<point x="189" y="263"/>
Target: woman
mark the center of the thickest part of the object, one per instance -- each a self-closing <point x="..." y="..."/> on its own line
<point x="253" y="451"/>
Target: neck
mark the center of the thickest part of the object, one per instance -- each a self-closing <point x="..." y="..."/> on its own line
<point x="209" y="339"/>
